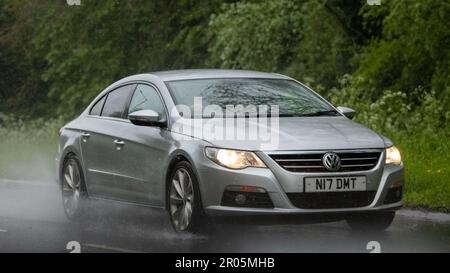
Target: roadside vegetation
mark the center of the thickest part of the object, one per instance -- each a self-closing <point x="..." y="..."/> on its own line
<point x="28" y="149"/>
<point x="390" y="62"/>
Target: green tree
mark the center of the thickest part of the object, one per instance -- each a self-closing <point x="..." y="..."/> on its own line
<point x="67" y="54"/>
<point x="255" y="35"/>
<point x="299" y="38"/>
<point x="412" y="50"/>
<point x="19" y="65"/>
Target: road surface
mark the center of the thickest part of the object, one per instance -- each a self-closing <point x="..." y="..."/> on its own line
<point x="32" y="220"/>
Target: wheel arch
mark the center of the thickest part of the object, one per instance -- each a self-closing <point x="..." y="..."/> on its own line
<point x="175" y="158"/>
<point x="64" y="157"/>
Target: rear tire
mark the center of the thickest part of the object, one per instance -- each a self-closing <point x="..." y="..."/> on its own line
<point x="184" y="204"/>
<point x="73" y="188"/>
<point x="371" y="221"/>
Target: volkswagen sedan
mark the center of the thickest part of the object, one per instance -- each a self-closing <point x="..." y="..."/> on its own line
<point x="205" y="143"/>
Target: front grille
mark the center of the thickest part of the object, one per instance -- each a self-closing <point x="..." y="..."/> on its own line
<point x="252" y="199"/>
<point x="331" y="200"/>
<point x="312" y="163"/>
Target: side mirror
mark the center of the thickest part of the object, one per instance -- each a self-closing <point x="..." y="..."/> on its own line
<point x="348" y="112"/>
<point x="147" y="118"/>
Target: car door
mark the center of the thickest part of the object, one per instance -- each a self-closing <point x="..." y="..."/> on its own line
<point x="145" y="149"/>
<point x="101" y="146"/>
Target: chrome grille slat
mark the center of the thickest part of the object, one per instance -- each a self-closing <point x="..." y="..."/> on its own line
<point x="297" y="160"/>
<point x="312" y="162"/>
<point x="358" y="165"/>
<point x="304" y="167"/>
<point x="369" y="158"/>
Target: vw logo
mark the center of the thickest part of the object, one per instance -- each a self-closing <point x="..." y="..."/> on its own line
<point x="331" y="162"/>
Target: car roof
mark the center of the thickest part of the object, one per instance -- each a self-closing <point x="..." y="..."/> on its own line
<point x="189" y="74"/>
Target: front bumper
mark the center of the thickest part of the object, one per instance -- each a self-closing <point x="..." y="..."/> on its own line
<point x="214" y="179"/>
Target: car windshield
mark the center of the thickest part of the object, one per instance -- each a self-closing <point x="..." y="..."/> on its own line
<point x="292" y="98"/>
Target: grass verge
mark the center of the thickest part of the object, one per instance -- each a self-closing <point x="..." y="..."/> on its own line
<point x="427" y="160"/>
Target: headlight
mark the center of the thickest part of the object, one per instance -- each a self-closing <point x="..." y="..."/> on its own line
<point x="393" y="156"/>
<point x="234" y="159"/>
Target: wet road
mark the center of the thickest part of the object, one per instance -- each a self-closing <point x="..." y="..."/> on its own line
<point x="32" y="220"/>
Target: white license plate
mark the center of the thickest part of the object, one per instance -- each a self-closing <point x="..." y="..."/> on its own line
<point x="335" y="184"/>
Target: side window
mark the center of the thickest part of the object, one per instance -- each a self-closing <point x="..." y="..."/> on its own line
<point x="116" y="102"/>
<point x="146" y="98"/>
<point x="96" y="110"/>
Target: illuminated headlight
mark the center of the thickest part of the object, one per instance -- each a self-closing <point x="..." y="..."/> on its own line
<point x="393" y="156"/>
<point x="234" y="159"/>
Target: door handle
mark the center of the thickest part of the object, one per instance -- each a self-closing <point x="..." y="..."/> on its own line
<point x="119" y="142"/>
<point x="85" y="136"/>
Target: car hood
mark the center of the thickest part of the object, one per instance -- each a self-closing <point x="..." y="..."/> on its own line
<point x="293" y="133"/>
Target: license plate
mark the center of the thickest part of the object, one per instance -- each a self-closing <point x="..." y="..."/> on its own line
<point x="335" y="184"/>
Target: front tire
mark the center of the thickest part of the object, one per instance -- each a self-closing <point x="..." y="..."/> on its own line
<point x="371" y="222"/>
<point x="73" y="188"/>
<point x="183" y="200"/>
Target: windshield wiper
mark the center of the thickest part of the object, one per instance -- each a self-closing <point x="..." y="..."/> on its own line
<point x="287" y="115"/>
<point x="245" y="115"/>
<point x="314" y="114"/>
<point x="321" y="113"/>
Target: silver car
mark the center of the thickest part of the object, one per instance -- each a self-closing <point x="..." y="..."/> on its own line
<point x="160" y="140"/>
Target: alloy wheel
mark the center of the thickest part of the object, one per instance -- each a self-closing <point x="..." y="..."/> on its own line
<point x="181" y="199"/>
<point x="71" y="188"/>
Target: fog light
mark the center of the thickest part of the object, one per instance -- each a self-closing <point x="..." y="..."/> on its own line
<point x="394" y="195"/>
<point x="396" y="184"/>
<point x="398" y="193"/>
<point x="244" y="188"/>
<point x="240" y="199"/>
<point x="252" y="197"/>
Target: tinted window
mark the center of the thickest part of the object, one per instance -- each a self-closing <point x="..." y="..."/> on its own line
<point x="97" y="109"/>
<point x="116" y="102"/>
<point x="146" y="98"/>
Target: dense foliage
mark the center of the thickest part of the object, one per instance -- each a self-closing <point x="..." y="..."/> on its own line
<point x="73" y="52"/>
<point x="56" y="54"/>
<point x="390" y="62"/>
